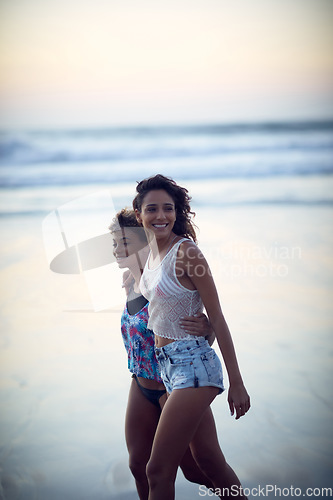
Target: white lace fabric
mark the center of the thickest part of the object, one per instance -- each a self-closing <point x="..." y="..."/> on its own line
<point x="168" y="299"/>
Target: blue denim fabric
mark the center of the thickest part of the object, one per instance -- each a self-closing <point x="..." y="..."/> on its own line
<point x="189" y="363"/>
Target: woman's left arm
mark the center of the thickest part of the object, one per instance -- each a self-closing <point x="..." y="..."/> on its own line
<point x="194" y="266"/>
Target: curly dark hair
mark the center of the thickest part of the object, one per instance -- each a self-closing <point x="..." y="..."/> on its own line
<point x="126" y="218"/>
<point x="184" y="225"/>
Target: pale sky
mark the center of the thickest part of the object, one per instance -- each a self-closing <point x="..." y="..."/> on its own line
<point x="108" y="62"/>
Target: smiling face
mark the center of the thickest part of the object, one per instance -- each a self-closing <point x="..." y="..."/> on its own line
<point x="128" y="245"/>
<point x="158" y="213"/>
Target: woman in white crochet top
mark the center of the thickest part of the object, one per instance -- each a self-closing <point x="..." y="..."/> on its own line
<point x="177" y="282"/>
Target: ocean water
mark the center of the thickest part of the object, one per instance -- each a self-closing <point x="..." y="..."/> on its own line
<point x="223" y="165"/>
<point x="263" y="197"/>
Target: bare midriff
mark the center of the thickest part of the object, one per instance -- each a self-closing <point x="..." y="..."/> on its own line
<point x="162" y="341"/>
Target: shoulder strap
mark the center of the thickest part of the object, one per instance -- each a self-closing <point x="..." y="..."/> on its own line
<point x="173" y="250"/>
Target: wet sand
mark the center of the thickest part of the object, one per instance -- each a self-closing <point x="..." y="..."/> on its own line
<point x="64" y="380"/>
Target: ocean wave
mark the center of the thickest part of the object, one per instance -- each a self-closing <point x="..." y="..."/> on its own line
<point x="314" y="191"/>
<point x="214" y="168"/>
<point x="147" y="143"/>
<point x="23" y="212"/>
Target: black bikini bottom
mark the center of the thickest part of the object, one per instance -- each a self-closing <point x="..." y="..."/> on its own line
<point x="153" y="395"/>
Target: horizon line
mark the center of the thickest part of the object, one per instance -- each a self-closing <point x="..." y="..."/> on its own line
<point x="246" y="124"/>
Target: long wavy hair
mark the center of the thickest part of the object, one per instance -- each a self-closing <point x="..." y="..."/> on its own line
<point x="184" y="225"/>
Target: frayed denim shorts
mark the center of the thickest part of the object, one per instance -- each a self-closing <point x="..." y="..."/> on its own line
<point x="189" y="363"/>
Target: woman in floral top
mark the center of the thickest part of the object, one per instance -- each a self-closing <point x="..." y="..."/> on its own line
<point x="147" y="393"/>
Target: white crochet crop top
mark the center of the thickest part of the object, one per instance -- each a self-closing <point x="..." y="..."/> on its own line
<point x="168" y="299"/>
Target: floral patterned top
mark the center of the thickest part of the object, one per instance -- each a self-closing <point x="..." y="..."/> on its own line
<point x="139" y="344"/>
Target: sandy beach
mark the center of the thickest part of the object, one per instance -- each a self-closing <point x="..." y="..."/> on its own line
<point x="64" y="380"/>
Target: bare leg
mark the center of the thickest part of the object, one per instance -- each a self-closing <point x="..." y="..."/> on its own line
<point x="208" y="454"/>
<point x="192" y="471"/>
<point x="178" y="423"/>
<point x="140" y="425"/>
<point x="189" y="466"/>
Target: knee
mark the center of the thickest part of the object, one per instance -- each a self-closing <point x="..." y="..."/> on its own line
<point x="154" y="473"/>
<point x="137" y="468"/>
<point x="158" y="473"/>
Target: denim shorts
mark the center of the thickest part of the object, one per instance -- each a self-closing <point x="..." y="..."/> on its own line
<point x="189" y="363"/>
